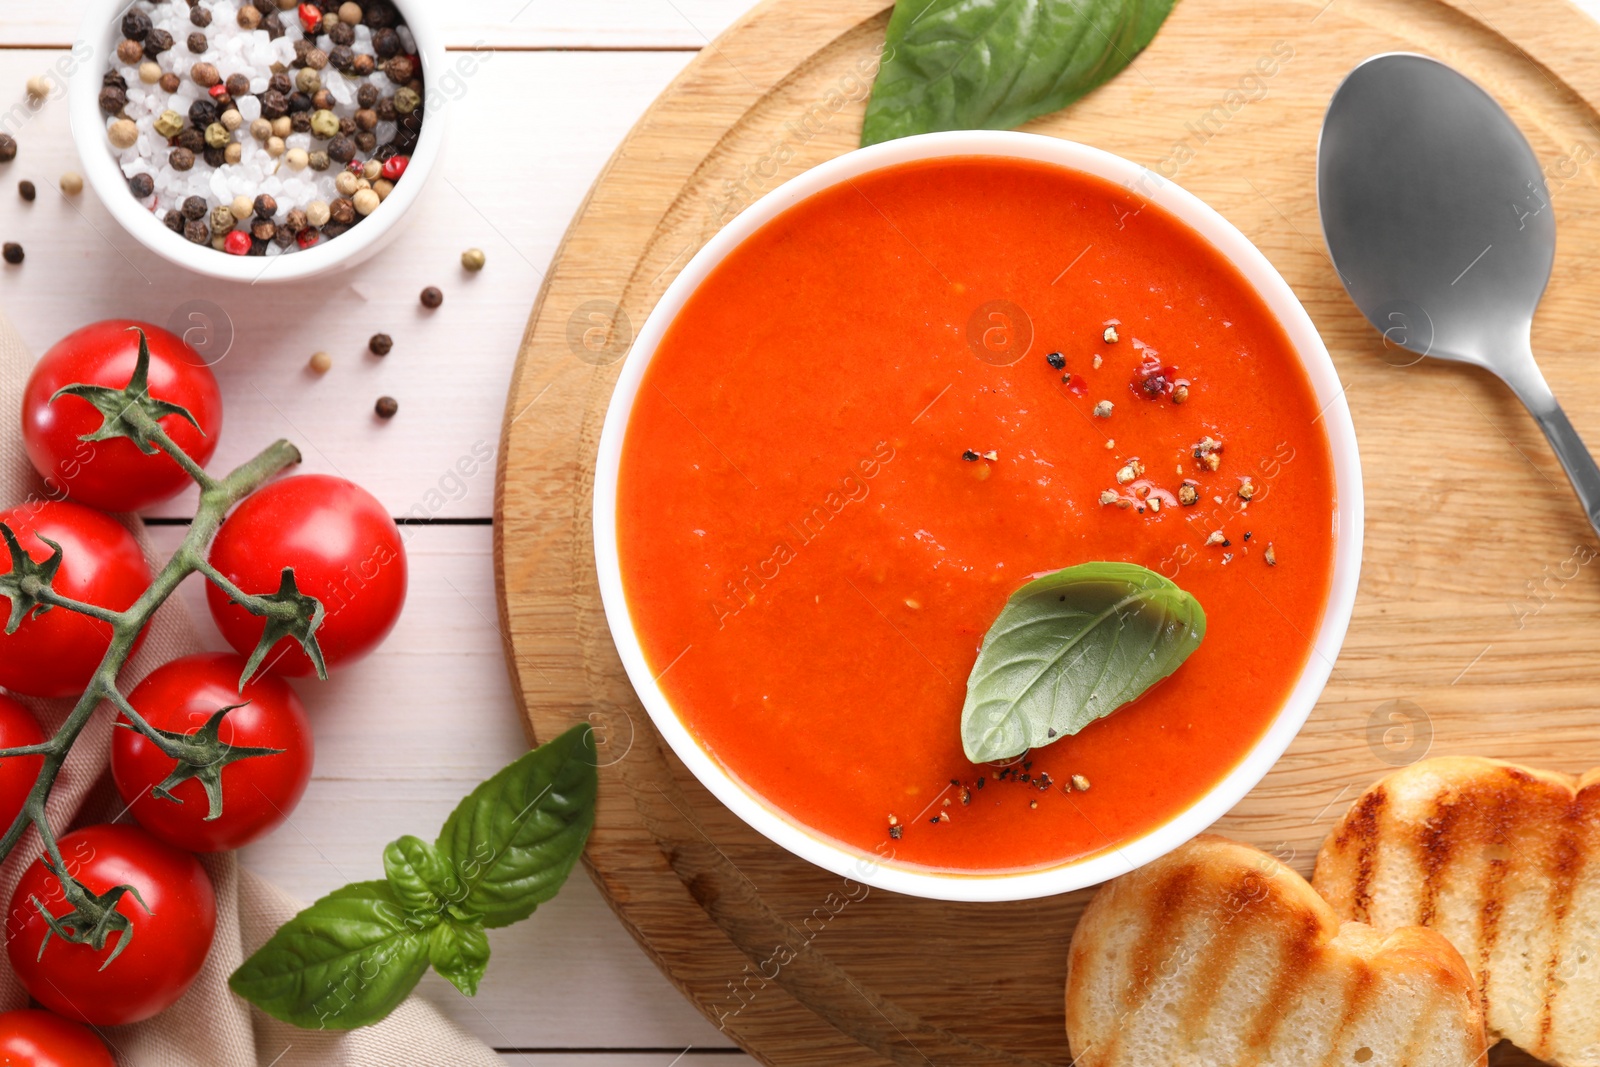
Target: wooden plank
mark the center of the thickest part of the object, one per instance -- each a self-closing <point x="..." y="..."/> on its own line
<point x="512" y="24"/>
<point x="686" y="1057"/>
<point x="1432" y="625"/>
<point x="401" y="736"/>
<point x="510" y="197"/>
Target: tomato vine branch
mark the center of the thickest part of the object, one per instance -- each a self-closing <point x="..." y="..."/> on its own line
<point x="133" y="414"/>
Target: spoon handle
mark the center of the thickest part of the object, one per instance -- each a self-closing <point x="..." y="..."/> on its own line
<point x="1575" y="458"/>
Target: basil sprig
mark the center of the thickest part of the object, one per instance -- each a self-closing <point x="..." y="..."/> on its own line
<point x="349" y="959"/>
<point x="1071" y="648"/>
<point x="995" y="64"/>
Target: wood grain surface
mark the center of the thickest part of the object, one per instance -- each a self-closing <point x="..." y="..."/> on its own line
<point x="1477" y="616"/>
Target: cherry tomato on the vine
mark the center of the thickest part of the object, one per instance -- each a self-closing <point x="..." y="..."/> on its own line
<point x="18" y="727"/>
<point x="33" y="1038"/>
<point x="345" y="550"/>
<point x="258" y="792"/>
<point x="171" y="930"/>
<point x="55" y="653"/>
<point x="113" y="474"/>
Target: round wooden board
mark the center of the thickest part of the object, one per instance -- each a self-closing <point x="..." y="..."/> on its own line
<point x="1477" y="619"/>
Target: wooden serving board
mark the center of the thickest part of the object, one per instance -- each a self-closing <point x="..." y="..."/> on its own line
<point x="1478" y="621"/>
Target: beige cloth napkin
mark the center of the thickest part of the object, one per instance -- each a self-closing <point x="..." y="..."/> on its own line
<point x="209" y="1026"/>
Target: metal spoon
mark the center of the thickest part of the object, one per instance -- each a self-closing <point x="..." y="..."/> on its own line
<point x="1439" y="223"/>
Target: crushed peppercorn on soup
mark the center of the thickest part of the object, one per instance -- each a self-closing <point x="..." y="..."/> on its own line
<point x="880" y="415"/>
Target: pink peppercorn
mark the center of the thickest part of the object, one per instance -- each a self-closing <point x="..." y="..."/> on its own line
<point x="310" y="17"/>
<point x="307" y="237"/>
<point x="237" y="243"/>
<point x="395" y="166"/>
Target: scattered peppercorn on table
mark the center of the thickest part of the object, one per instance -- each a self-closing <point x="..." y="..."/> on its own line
<point x="403" y="394"/>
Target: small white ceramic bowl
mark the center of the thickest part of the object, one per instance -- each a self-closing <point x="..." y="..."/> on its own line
<point x="101" y="32"/>
<point x="922" y="882"/>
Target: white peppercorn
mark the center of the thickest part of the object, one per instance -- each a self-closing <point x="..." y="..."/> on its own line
<point x="123" y="133"/>
<point x="366" y="201"/>
<point x="318" y="213"/>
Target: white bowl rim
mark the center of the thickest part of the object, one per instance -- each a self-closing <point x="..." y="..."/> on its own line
<point x="1099" y="867"/>
<point x="105" y="175"/>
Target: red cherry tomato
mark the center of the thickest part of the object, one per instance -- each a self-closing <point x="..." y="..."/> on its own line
<point x="114" y="475"/>
<point x="345" y="550"/>
<point x="172" y="931"/>
<point x="258" y="793"/>
<point x="55" y="654"/>
<point x="17" y="728"/>
<point x="33" y="1038"/>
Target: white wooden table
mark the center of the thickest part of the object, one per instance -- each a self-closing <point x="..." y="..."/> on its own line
<point x="403" y="734"/>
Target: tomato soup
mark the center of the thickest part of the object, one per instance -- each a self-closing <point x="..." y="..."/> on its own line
<point x="889" y="408"/>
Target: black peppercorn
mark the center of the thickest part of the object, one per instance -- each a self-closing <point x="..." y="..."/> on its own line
<point x="156" y="42"/>
<point x="381" y="344"/>
<point x="8" y="148"/>
<point x="135" y="24"/>
<point x="342" y="210"/>
<point x="203" y="112"/>
<point x="190" y="138"/>
<point x="174" y="221"/>
<point x="263" y="229"/>
<point x="112" y="100"/>
<point x="385" y="153"/>
<point x="366" y="142"/>
<point x="12" y="252"/>
<point x="347" y="126"/>
<point x="142" y="186"/>
<point x="386" y="407"/>
<point x="284" y="237"/>
<point x="385" y="109"/>
<point x="342" y="57"/>
<point x="322" y="100"/>
<point x="432" y="297"/>
<point x="334" y="229"/>
<point x="386" y="43"/>
<point x="266" y="7"/>
<point x="200" y="16"/>
<point x="273" y="25"/>
<point x="170" y="82"/>
<point x="181" y="159"/>
<point x="214" y="157"/>
<point x="195" y="207"/>
<point x="400" y="69"/>
<point x="1056" y="360"/>
<point x="238" y="85"/>
<point x="342" y="35"/>
<point x="300" y="121"/>
<point x="367" y="95"/>
<point x="197" y="42"/>
<point x="258" y="247"/>
<point x="26" y="190"/>
<point x="341" y="149"/>
<point x="299" y="101"/>
<point x="114" y="79"/>
<point x="265" y="206"/>
<point x="302" y="48"/>
<point x="280" y="83"/>
<point x="197" y="232"/>
<point x="274" y="104"/>
<point x="379" y="16"/>
<point x="363" y="65"/>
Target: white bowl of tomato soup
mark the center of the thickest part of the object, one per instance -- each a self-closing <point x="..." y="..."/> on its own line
<point x="884" y="397"/>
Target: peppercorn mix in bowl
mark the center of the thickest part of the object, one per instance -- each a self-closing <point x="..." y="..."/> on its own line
<point x="258" y="141"/>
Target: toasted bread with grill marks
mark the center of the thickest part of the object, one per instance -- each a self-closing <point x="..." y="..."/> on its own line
<point x="1217" y="955"/>
<point x="1505" y="862"/>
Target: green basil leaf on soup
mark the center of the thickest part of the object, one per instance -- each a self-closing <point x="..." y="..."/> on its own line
<point x="1071" y="648"/>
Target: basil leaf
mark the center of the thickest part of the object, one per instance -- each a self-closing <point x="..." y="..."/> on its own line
<point x="420" y="876"/>
<point x="1070" y="648"/>
<point x="995" y="64"/>
<point x="460" y="952"/>
<point x="346" y="961"/>
<point x="514" y="839"/>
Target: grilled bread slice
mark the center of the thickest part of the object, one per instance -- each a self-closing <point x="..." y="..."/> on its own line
<point x="1217" y="955"/>
<point x="1505" y="862"/>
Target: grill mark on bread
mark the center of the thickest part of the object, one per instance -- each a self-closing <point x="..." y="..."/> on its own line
<point x="1361" y="825"/>
<point x="1358" y="991"/>
<point x="1562" y="875"/>
<point x="1437" y="848"/>
<point x="1301" y="957"/>
<point x="1238" y="898"/>
<point x="1147" y="954"/>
